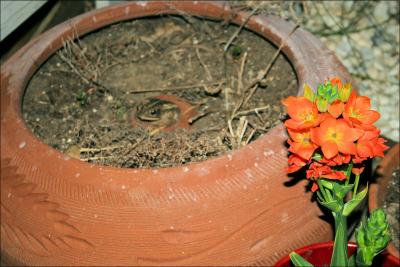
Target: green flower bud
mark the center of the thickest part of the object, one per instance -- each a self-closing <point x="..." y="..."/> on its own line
<point x="322" y="104"/>
<point x="308" y="93"/>
<point x="344" y="92"/>
<point x="372" y="237"/>
<point x="328" y="92"/>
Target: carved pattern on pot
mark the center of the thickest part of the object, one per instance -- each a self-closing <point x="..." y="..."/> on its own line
<point x="57" y="233"/>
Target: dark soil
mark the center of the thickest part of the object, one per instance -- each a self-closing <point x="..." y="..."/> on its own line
<point x="391" y="206"/>
<point x="96" y="99"/>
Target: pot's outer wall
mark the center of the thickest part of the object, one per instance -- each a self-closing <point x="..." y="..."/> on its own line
<point x="230" y="210"/>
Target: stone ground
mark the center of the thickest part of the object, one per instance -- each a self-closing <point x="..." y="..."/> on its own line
<point x="365" y="37"/>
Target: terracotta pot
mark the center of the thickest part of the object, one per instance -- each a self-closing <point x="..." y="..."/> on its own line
<point x="230" y="210"/>
<point x="320" y="255"/>
<point x="377" y="191"/>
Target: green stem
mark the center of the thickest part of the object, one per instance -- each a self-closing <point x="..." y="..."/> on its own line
<point x="348" y="173"/>
<point x="356" y="184"/>
<point x="340" y="256"/>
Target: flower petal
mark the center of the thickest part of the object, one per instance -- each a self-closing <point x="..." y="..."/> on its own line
<point x="346" y="147"/>
<point x="329" y="149"/>
<point x="370" y="116"/>
<point x="336" y="108"/>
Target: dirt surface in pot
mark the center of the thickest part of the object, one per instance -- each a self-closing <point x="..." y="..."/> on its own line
<point x="97" y="98"/>
<point x="391" y="206"/>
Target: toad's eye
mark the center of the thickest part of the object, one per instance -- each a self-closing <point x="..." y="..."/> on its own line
<point x="155" y="112"/>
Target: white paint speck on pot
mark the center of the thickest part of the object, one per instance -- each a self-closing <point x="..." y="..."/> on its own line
<point x="141" y="3"/>
<point x="229" y="157"/>
<point x="22" y="144"/>
<point x="155" y="171"/>
<point x="127" y="10"/>
<point x="255" y="164"/>
<point x="123" y="186"/>
<point x="268" y="152"/>
<point x="94" y="19"/>
<point x="77" y="174"/>
<point x="185" y="169"/>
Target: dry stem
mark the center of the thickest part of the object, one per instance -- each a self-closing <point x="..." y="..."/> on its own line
<point x="173" y="88"/>
<point x="236" y="33"/>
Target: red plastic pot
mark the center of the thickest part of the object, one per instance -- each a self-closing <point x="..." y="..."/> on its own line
<point x="230" y="210"/>
<point x="320" y="255"/>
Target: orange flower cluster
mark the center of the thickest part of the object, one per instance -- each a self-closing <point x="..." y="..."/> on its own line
<point x="330" y="128"/>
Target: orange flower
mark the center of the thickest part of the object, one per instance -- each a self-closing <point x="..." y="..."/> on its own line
<point x="303" y="113"/>
<point x="337" y="160"/>
<point x="357" y="169"/>
<point x="335" y="136"/>
<point x="371" y="145"/>
<point x="357" y="159"/>
<point x="301" y="144"/>
<point x="336" y="81"/>
<point x="336" y="108"/>
<point x="357" y="111"/>
<point x="318" y="170"/>
<point x="295" y="163"/>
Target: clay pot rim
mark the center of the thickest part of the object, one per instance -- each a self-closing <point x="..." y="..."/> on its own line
<point x="384" y="170"/>
<point x="30" y="57"/>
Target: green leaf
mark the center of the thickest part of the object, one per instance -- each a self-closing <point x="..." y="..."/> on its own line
<point x="299" y="261"/>
<point x="326" y="183"/>
<point x="354" y="202"/>
<point x="332" y="205"/>
<point x="352" y="260"/>
<point x="341" y="190"/>
<point x="317" y="156"/>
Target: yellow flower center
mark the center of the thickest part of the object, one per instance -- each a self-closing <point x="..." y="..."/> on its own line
<point x="308" y="116"/>
<point x="333" y="135"/>
<point x="354" y="113"/>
